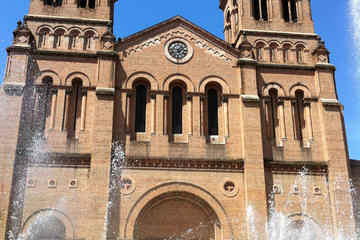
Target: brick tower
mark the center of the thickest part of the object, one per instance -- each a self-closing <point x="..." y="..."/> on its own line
<point x="171" y="132"/>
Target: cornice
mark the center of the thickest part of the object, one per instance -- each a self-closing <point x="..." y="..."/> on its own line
<point x="84" y="21"/>
<point x="297" y="167"/>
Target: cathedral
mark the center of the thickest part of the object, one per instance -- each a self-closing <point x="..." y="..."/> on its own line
<point x="172" y="133"/>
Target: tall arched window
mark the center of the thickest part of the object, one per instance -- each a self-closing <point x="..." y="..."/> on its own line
<point x="212" y="106"/>
<point x="228" y="26"/>
<point x="299" y="114"/>
<point x="289" y="10"/>
<point x="260" y="10"/>
<point x="92" y="4"/>
<point x="177" y="104"/>
<point x="273" y="116"/>
<point x="75" y="103"/>
<point x="73" y="39"/>
<point x="43" y="103"/>
<point x="82" y="3"/>
<point x="140" y="109"/>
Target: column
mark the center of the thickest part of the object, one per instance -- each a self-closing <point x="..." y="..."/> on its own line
<point x="190" y="114"/>
<point x="166" y="117"/>
<point x="128" y="113"/>
<point x="83" y="110"/>
<point x="226" y="116"/>
<point x="153" y="112"/>
<point x="53" y="108"/>
<point x="66" y="108"/>
<point x="308" y="123"/>
<point x="281" y="116"/>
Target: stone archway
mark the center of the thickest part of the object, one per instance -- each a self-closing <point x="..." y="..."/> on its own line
<point x="177" y="215"/>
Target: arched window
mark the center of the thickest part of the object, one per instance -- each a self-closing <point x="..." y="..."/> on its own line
<point x="228" y="26"/>
<point x="82" y="3"/>
<point x="176" y="109"/>
<point x="260" y="51"/>
<point x="273" y="116"/>
<point x="260" y="10"/>
<point x="88" y="40"/>
<point x="54" y="3"/>
<point x="73" y="39"/>
<point x="289" y="10"/>
<point x="287" y="53"/>
<point x="43" y="103"/>
<point x="47" y="227"/>
<point x="300" y="54"/>
<point x="58" y="38"/>
<point x="273" y="52"/>
<point x="43" y="37"/>
<point x="92" y="4"/>
<point x="299" y="114"/>
<point x="299" y="229"/>
<point x="212" y="105"/>
<point x="140" y="109"/>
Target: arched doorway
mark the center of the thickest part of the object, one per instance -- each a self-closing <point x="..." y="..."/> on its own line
<point x="176" y="215"/>
<point x="46" y="227"/>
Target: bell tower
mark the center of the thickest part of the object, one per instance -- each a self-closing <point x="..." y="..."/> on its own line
<point x="266" y="15"/>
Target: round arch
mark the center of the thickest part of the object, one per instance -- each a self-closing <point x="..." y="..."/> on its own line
<point x="78" y="75"/>
<point x="48" y="73"/>
<point x="44" y="213"/>
<point x="300" y="223"/>
<point x="187" y="189"/>
<point x="278" y="87"/>
<point x="213" y="79"/>
<point x="190" y="87"/>
<point x="142" y="75"/>
<point x="299" y="86"/>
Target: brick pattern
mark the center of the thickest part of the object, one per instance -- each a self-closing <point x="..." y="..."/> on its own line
<point x="167" y="171"/>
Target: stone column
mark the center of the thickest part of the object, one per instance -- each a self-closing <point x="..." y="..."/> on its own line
<point x="190" y="115"/>
<point x="53" y="108"/>
<point x="281" y="116"/>
<point x="83" y="110"/>
<point x="153" y="113"/>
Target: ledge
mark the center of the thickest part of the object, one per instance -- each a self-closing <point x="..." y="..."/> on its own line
<point x="45" y="159"/>
<point x="86" y="21"/>
<point x="286" y="66"/>
<point x="330" y="102"/>
<point x="250" y="98"/>
<point x="19" y="48"/>
<point x="64" y="53"/>
<point x="325" y="65"/>
<point x="107" y="53"/>
<point x="13" y="88"/>
<point x="247" y="61"/>
<point x="296" y="167"/>
<point x="105" y="91"/>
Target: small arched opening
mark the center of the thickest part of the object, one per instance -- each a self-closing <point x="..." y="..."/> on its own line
<point x="46" y="227"/>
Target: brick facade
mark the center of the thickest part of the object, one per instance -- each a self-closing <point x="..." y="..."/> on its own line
<point x="71" y="155"/>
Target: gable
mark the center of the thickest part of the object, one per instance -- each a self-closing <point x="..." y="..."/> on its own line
<point x="178" y="28"/>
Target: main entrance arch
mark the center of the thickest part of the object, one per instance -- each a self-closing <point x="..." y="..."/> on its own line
<point x="201" y="217"/>
<point x="176" y="215"/>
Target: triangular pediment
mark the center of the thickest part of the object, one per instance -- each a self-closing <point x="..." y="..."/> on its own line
<point x="178" y="27"/>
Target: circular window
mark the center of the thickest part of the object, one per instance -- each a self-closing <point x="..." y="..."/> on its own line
<point x="127" y="185"/>
<point x="178" y="50"/>
<point x="229" y="187"/>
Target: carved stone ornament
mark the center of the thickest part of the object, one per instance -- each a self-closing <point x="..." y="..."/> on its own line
<point x="245" y="47"/>
<point x="22" y="34"/>
<point x="321" y="53"/>
<point x="229" y="187"/>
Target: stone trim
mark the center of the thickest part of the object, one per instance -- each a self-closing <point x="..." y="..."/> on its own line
<point x="17" y="48"/>
<point x="330" y="102"/>
<point x="250" y="98"/>
<point x="278" y="33"/>
<point x="85" y="21"/>
<point x="325" y="65"/>
<point x="286" y="66"/>
<point x="247" y="61"/>
<point x="297" y="167"/>
<point x="13" y="88"/>
<point x="61" y="160"/>
<point x="105" y="91"/>
<point x="64" y="53"/>
<point x="184" y="164"/>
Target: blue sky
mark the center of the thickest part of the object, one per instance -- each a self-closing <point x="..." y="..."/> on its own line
<point x="332" y="19"/>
